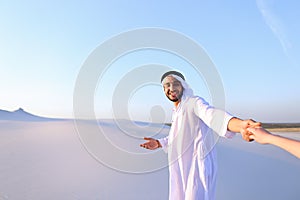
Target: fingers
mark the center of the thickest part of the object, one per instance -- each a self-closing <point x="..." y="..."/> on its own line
<point x="253" y="123"/>
<point x="251" y="129"/>
<point x="247" y="135"/>
<point x="150" y="144"/>
<point x="256" y="125"/>
<point x="252" y="137"/>
<point x="144" y="146"/>
<point x="248" y="130"/>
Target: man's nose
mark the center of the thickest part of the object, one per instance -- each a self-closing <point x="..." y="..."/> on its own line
<point x="171" y="87"/>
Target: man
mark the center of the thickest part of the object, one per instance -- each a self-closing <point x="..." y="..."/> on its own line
<point x="192" y="159"/>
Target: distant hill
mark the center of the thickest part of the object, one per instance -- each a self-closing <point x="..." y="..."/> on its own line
<point x="282" y="127"/>
<point x="22" y="115"/>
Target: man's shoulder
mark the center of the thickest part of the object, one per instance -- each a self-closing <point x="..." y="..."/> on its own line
<point x="197" y="99"/>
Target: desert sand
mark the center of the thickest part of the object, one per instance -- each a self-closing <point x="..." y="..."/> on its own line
<point x="48" y="160"/>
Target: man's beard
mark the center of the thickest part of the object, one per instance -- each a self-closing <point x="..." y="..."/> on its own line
<point x="177" y="99"/>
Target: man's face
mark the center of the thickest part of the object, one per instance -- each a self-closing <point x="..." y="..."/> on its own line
<point x="173" y="88"/>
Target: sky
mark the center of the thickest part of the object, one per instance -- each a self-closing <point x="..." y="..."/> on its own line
<point x="254" y="46"/>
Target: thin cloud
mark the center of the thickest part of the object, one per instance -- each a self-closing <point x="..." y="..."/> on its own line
<point x="274" y="23"/>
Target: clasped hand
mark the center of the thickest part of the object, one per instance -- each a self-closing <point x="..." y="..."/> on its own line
<point x="245" y="124"/>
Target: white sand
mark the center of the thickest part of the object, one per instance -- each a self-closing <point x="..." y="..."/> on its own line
<point x="46" y="160"/>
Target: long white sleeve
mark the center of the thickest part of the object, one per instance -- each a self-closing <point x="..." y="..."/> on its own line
<point x="164" y="143"/>
<point x="214" y="118"/>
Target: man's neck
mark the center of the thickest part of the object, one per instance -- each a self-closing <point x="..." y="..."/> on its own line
<point x="177" y="103"/>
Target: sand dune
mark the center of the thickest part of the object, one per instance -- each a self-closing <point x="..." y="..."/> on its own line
<point x="47" y="160"/>
<point x="22" y="115"/>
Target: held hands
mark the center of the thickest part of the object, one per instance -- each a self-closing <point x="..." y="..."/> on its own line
<point x="245" y="125"/>
<point x="151" y="144"/>
<point x="260" y="135"/>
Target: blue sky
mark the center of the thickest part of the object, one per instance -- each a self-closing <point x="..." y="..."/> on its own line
<point x="254" y="45"/>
